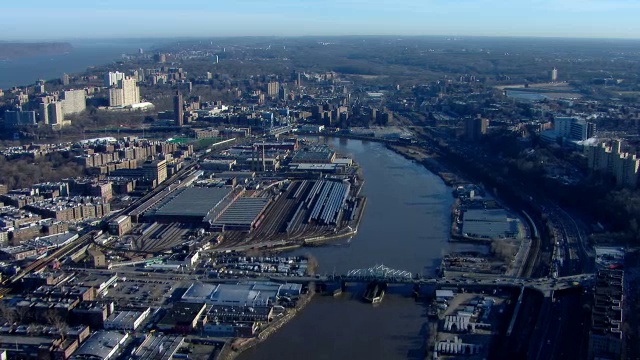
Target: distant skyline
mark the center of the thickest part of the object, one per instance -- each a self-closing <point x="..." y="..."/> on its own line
<point x="81" y="19"/>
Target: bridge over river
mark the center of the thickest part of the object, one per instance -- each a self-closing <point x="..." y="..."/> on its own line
<point x="384" y="274"/>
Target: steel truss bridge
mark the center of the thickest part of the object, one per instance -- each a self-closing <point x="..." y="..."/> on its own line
<point x="384" y="274"/>
<point x="379" y="273"/>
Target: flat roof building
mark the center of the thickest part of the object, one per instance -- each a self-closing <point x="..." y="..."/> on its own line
<point x="190" y="204"/>
<point x="20" y="118"/>
<point x="121" y="225"/>
<point x="489" y="224"/>
<point x="182" y="317"/>
<point x="243" y="294"/>
<point x="320" y="154"/>
<point x="102" y="345"/>
<point x="155" y="347"/>
<point x="241" y="215"/>
<point x="126" y="320"/>
<point x="74" y="101"/>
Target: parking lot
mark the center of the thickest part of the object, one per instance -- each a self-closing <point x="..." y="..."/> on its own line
<point x="141" y="292"/>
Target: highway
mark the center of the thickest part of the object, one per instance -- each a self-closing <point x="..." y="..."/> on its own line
<point x="569" y="253"/>
<point x="559" y="331"/>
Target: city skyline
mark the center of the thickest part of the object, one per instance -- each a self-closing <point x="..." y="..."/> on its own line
<point x="117" y="18"/>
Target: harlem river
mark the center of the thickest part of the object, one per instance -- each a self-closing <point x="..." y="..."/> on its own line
<point x="405" y="226"/>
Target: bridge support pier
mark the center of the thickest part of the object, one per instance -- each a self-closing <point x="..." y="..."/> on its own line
<point x="321" y="287"/>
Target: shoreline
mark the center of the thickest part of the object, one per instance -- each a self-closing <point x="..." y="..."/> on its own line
<point x="230" y="351"/>
<point x="436" y="168"/>
<point x="429" y="163"/>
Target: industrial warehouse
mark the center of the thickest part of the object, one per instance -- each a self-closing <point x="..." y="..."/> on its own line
<point x="241" y="215"/>
<point x="490" y="224"/>
<point x="190" y="205"/>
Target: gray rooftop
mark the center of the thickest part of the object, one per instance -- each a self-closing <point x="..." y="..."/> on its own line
<point x="198" y="291"/>
<point x="245" y="294"/>
<point x="101" y="345"/>
<point x="159" y="347"/>
<point x="25" y="340"/>
<point x="485" y="215"/>
<point x="124" y="317"/>
<point x="313" y="153"/>
<point x="243" y="211"/>
<point x="195" y="201"/>
<point x="491" y="224"/>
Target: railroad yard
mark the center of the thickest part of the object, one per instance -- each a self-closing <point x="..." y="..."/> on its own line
<point x="304" y="209"/>
<point x="243" y="210"/>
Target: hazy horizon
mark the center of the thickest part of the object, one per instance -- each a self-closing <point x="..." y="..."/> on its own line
<point x="78" y="40"/>
<point x="115" y="19"/>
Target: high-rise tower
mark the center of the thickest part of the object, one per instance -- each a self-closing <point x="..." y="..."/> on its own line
<point x="177" y="108"/>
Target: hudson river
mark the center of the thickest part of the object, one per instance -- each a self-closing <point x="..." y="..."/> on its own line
<point x="85" y="53"/>
<point x="405" y="226"/>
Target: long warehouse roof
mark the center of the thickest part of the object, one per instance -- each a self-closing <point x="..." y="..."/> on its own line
<point x="243" y="211"/>
<point x="195" y="201"/>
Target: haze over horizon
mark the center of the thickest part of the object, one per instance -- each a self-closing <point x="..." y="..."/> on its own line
<point x="76" y="19"/>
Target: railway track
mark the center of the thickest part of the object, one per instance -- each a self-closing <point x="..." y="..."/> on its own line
<point x="40" y="264"/>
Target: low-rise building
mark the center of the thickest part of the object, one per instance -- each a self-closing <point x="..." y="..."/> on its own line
<point x="17" y="252"/>
<point x="218" y="164"/>
<point x="159" y="347"/>
<point x="93" y="314"/>
<point x="126" y="320"/>
<point x="36" y="347"/>
<point x="13" y="217"/>
<point x="182" y="317"/>
<point x="82" y="293"/>
<point x="99" y="259"/>
<point x="121" y="225"/>
<point x="320" y="154"/>
<point x="102" y="345"/>
<point x="206" y="133"/>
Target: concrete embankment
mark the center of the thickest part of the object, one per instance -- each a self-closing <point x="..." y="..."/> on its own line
<point x="235" y="348"/>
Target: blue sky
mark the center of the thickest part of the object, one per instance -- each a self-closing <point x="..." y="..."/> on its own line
<point x="68" y="19"/>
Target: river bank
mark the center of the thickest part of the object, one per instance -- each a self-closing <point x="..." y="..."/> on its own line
<point x="405" y="228"/>
<point x="429" y="162"/>
<point x="234" y="348"/>
<point x="515" y="267"/>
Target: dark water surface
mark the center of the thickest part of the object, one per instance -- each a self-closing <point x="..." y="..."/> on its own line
<point x="26" y="71"/>
<point x="405" y="226"/>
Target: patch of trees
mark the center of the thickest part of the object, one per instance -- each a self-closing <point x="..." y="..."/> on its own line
<point x="22" y="173"/>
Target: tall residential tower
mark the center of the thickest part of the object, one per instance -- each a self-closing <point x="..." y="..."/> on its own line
<point x="178" y="112"/>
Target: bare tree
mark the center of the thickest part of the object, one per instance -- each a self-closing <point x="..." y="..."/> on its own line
<point x="7" y="313"/>
<point x="22" y="314"/>
<point x="54" y="319"/>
